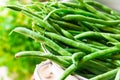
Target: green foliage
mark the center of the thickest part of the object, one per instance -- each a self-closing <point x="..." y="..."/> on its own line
<point x="10" y="44"/>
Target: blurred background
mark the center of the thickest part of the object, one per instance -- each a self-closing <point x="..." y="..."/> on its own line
<point x="10" y="67"/>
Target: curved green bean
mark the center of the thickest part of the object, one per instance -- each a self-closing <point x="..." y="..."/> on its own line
<point x="42" y="39"/>
<point x="43" y="55"/>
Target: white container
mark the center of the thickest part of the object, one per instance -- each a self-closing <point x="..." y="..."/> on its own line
<point x="50" y="71"/>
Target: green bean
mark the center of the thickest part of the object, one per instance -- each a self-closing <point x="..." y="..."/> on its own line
<point x="62" y="31"/>
<point x="45" y="24"/>
<point x="103" y="27"/>
<point x="82" y="12"/>
<point x="87" y="75"/>
<point x="66" y="58"/>
<point x="16" y="8"/>
<point x="43" y="55"/>
<point x="67" y="72"/>
<point x="91" y="27"/>
<point x="111" y="30"/>
<point x="93" y="20"/>
<point x="106" y="9"/>
<point x="97" y="47"/>
<point x="111" y="16"/>
<point x="55" y="16"/>
<point x="75" y="58"/>
<point x="37" y="18"/>
<point x="67" y="25"/>
<point x="69" y="11"/>
<point x="76" y="36"/>
<point x="51" y="50"/>
<point x="96" y="35"/>
<point x="83" y="26"/>
<point x="105" y="63"/>
<point x="42" y="39"/>
<point x="72" y="50"/>
<point x="116" y="36"/>
<point x="116" y="62"/>
<point x="81" y="46"/>
<point x="106" y="76"/>
<point x="95" y="67"/>
<point x="72" y="5"/>
<point x="101" y="53"/>
<point x="67" y="34"/>
<point x="102" y="6"/>
<point x="62" y="6"/>
<point x="99" y="26"/>
<point x="96" y="43"/>
<point x="93" y="10"/>
<point x="73" y="32"/>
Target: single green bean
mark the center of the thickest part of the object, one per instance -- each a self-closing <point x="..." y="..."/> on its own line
<point x="93" y="20"/>
<point x="103" y="7"/>
<point x="91" y="27"/>
<point x="98" y="13"/>
<point x="72" y="5"/>
<point x="43" y="55"/>
<point x="72" y="50"/>
<point x="42" y="39"/>
<point x="67" y="25"/>
<point x="101" y="53"/>
<point x="96" y="35"/>
<point x="96" y="65"/>
<point x="96" y="43"/>
<point x="106" y="76"/>
<point x="97" y="47"/>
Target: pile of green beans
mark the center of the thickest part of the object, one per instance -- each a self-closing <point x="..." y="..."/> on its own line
<point x="83" y="37"/>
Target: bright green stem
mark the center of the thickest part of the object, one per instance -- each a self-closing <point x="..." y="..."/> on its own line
<point x="106" y="76"/>
<point x="42" y="39"/>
